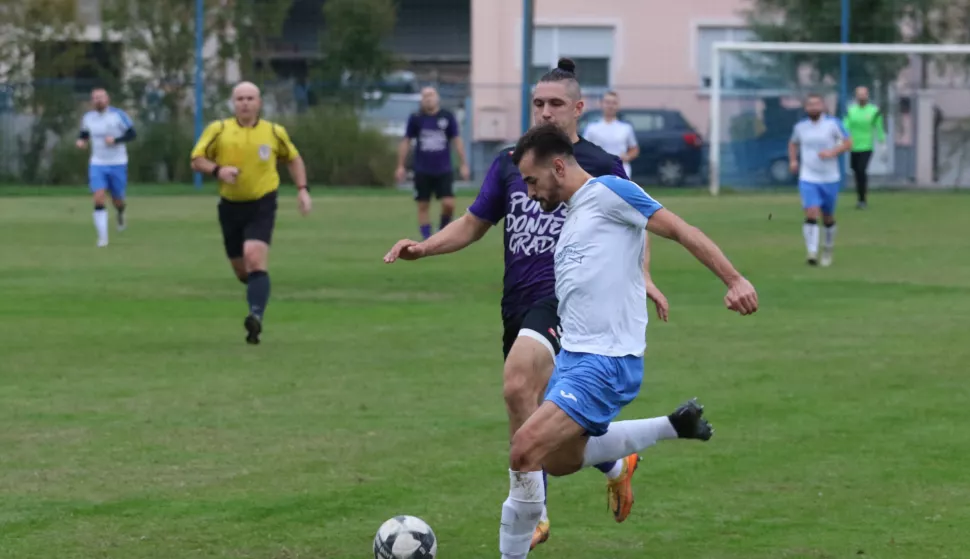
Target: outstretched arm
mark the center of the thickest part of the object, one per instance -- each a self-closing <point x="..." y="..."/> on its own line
<point x="455" y="236"/>
<point x="741" y="295"/>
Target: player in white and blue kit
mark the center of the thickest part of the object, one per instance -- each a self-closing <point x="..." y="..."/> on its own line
<point x="107" y="129"/>
<point x="603" y="309"/>
<point x="818" y="140"/>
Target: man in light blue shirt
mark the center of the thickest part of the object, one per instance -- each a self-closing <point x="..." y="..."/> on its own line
<point x="818" y="141"/>
<point x="107" y="130"/>
<point x="603" y="311"/>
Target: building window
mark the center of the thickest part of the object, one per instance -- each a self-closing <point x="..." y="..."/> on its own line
<point x="733" y="68"/>
<point x="590" y="47"/>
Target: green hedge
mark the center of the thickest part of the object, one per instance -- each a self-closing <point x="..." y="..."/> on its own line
<point x="337" y="151"/>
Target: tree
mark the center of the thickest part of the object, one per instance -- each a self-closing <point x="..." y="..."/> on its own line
<point x="353" y="44"/>
<point x="39" y="57"/>
<point x="871" y="21"/>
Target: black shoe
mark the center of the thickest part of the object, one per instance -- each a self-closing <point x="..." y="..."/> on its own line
<point x="812" y="261"/>
<point x="689" y="422"/>
<point x="254" y="327"/>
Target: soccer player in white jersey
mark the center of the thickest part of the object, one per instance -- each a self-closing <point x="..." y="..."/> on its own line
<point x="615" y="136"/>
<point x="818" y="140"/>
<point x="107" y="129"/>
<point x="603" y="306"/>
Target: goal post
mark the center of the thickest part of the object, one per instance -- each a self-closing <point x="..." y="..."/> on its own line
<point x="721" y="51"/>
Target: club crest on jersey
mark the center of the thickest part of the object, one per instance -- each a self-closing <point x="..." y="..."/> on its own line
<point x="442" y="123"/>
<point x="265" y="152"/>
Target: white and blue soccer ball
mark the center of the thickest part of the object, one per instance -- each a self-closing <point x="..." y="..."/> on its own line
<point x="405" y="537"/>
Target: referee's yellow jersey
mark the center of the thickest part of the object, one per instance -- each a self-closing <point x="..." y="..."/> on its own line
<point x="253" y="150"/>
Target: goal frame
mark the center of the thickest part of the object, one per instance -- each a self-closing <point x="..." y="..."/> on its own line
<point x="719" y="47"/>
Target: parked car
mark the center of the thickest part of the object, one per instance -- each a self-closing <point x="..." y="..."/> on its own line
<point x="671" y="150"/>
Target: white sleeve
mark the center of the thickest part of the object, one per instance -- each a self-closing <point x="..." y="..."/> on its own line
<point x="625" y="202"/>
<point x="631" y="137"/>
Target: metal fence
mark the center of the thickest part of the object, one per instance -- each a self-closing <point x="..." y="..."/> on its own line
<point x="928" y="130"/>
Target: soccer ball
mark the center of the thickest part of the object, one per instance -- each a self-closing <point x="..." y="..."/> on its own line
<point x="405" y="537"/>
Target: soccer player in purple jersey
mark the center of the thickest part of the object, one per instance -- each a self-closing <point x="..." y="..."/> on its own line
<point x="529" y="305"/>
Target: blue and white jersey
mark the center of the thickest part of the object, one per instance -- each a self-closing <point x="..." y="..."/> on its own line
<point x="599" y="268"/>
<point x="99" y="125"/>
<point x="812" y="137"/>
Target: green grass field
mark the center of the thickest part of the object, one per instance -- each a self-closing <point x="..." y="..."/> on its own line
<point x="136" y="423"/>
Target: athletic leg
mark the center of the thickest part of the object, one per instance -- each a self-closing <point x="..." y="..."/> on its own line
<point x="811" y="202"/>
<point x="258" y="235"/>
<point x="422" y="195"/>
<point x="117" y="187"/>
<point x="98" y="183"/>
<point x="829" y="201"/>
<point x="446" y="194"/>
<point x="860" y="168"/>
<point x="547" y="429"/>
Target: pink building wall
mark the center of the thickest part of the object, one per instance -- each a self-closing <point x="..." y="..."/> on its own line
<point x="653" y="64"/>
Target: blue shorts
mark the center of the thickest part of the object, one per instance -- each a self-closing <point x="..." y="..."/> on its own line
<point x="820" y="195"/>
<point x="592" y="389"/>
<point x="111" y="177"/>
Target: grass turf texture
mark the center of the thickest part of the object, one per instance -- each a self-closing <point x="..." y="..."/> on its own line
<point x="136" y="422"/>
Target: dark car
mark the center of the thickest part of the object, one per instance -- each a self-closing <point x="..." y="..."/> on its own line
<point x="671" y="150"/>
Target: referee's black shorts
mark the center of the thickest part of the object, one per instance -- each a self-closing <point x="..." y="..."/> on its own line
<point x="251" y="220"/>
<point x="441" y="185"/>
<point x="539" y="322"/>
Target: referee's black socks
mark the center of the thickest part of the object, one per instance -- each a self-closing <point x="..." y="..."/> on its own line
<point x="257" y="292"/>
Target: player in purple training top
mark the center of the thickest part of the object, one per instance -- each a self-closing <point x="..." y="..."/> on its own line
<point x="529" y="305"/>
<point x="434" y="130"/>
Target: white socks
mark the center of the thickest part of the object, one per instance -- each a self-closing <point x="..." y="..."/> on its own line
<point x="830" y="236"/>
<point x="101" y="225"/>
<point x="810" y="232"/>
<point x="521" y="513"/>
<point x="626" y="437"/>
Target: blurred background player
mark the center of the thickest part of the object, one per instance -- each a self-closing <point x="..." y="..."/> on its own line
<point x="861" y="120"/>
<point x="434" y="130"/>
<point x="242" y="153"/>
<point x="530" y="320"/>
<point x="612" y="134"/>
<point x="817" y="141"/>
<point x="107" y="129"/>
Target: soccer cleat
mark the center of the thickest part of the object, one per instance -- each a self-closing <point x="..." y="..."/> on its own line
<point x="826" y="257"/>
<point x="254" y="327"/>
<point x="688" y="420"/>
<point x="540" y="535"/>
<point x="812" y="259"/>
<point x="861" y="206"/>
<point x="102" y="243"/>
<point x="619" y="491"/>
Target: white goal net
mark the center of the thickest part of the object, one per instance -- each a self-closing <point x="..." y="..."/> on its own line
<point x="921" y="131"/>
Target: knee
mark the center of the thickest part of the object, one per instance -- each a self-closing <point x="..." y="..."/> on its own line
<point x="448" y="206"/>
<point x="517" y="388"/>
<point x="253" y="261"/>
<point x="524" y="454"/>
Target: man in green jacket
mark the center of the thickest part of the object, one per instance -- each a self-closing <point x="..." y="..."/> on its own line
<point x="862" y="119"/>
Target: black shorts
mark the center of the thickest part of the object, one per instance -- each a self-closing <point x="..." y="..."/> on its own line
<point x="245" y="221"/>
<point x="442" y="186"/>
<point x="540" y="321"/>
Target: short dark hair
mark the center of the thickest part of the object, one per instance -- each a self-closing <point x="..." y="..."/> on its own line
<point x="565" y="71"/>
<point x="814" y="96"/>
<point x="544" y="141"/>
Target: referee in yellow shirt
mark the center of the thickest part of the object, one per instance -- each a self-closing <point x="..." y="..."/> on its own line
<point x="242" y="153"/>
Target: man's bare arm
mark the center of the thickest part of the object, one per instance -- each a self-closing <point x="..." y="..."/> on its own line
<point x="297" y="171"/>
<point x="203" y="165"/>
<point x="455" y="236"/>
<point x="670" y="226"/>
<point x="402" y="151"/>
